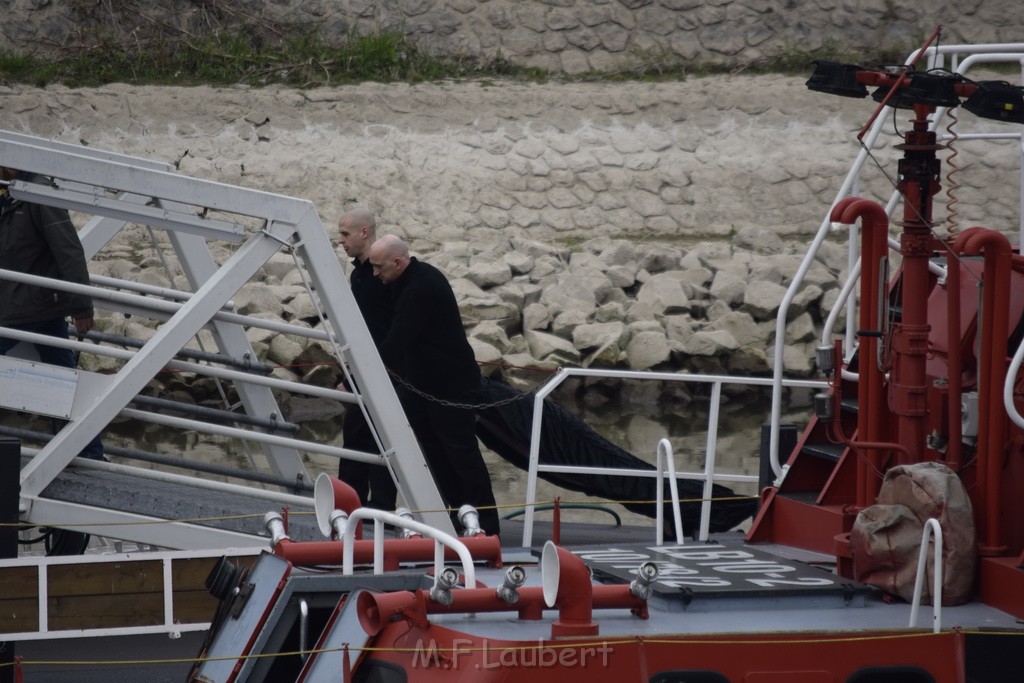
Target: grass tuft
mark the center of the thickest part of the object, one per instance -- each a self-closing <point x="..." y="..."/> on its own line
<point x="299" y="56"/>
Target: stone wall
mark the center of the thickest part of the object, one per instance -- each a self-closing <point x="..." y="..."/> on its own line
<point x="568" y="36"/>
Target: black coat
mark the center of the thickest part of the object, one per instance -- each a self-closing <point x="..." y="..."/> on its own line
<point x="40" y="240"/>
<point x="373" y="298"/>
<point x="426" y="345"/>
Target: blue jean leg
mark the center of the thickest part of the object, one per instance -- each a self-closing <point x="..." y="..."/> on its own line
<point x="52" y="355"/>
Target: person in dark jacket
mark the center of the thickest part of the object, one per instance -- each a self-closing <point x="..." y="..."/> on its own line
<point x="356" y="233"/>
<point x="42" y="240"/>
<point x="438" y="378"/>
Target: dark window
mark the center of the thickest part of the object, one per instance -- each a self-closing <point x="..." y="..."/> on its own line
<point x="689" y="676"/>
<point x="891" y="674"/>
<point x="373" y="671"/>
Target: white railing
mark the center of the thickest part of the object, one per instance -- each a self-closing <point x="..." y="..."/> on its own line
<point x="380" y="518"/>
<point x="665" y="456"/>
<point x="709" y="476"/>
<point x="931" y="527"/>
<point x="171" y="624"/>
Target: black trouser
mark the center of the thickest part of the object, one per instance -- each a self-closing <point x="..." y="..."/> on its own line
<point x="447" y="435"/>
<point x="373" y="483"/>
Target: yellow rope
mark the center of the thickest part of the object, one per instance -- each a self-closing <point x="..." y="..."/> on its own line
<point x="295" y="513"/>
<point x="807" y="640"/>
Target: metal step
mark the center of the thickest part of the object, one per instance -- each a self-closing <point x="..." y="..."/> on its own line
<point x="824" y="451"/>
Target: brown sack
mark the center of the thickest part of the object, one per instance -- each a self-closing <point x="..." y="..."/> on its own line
<point x="886" y="537"/>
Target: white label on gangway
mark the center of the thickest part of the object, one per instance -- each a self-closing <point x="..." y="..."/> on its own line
<point x="37" y="387"/>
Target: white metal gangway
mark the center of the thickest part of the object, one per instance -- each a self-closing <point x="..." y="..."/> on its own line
<point x="118" y="191"/>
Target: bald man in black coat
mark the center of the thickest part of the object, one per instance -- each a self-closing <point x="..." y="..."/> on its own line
<point x="427" y="348"/>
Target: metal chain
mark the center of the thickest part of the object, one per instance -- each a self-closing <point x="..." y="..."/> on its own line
<point x="454" y="404"/>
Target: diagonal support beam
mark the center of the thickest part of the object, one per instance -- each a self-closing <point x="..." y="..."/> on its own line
<point x="157" y="352"/>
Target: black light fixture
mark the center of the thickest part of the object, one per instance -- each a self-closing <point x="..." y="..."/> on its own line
<point x="836" y="79"/>
<point x="923" y="87"/>
<point x="997" y="100"/>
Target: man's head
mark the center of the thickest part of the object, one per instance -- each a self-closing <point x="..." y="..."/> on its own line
<point x="8" y="173"/>
<point x="356" y="232"/>
<point x="389" y="257"/>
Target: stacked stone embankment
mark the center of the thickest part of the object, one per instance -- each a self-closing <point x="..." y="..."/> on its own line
<point x="629" y="225"/>
<point x="562" y="36"/>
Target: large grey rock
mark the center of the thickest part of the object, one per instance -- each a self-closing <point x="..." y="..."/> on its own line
<point x="797" y="359"/>
<point x="487" y="356"/>
<point x="805" y="299"/>
<point x="801" y="329"/>
<point x="679" y="328"/>
<point x="536" y="317"/>
<point x="283" y="349"/>
<point x="710" y="343"/>
<point x="748" y="360"/>
<point x="257" y="297"/>
<point x="647" y="350"/>
<point x="491" y="334"/>
<point x="544" y="346"/>
<point x="728" y="287"/>
<point x="489" y="274"/>
<point x="610" y="312"/>
<point x="741" y="327"/>
<point x="762" y="299"/>
<point x="665" y="294"/>
<point x="759" y="240"/>
<point x="620" y="253"/>
<point x="591" y="336"/>
<point x="524" y="372"/>
<point x="621" y="276"/>
<point x="565" y="322"/>
<point x="476" y="310"/>
<point x="520" y="264"/>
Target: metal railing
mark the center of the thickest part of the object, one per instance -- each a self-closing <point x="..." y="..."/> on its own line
<point x="380" y="518"/>
<point x="667" y="462"/>
<point x="709" y="476"/>
<point x="931" y="527"/>
<point x="171" y="624"/>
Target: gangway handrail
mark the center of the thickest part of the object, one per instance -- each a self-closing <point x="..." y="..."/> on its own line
<point x="707" y="476"/>
<point x="932" y="527"/>
<point x="185" y="366"/>
<point x="380" y="518"/>
<point x="665" y="455"/>
<point x="157" y="305"/>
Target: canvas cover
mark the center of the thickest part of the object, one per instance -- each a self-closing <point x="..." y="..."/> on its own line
<point x="886" y="537"/>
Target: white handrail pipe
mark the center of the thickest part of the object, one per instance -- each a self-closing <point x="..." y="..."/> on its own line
<point x="932" y="527"/>
<point x="380" y="517"/>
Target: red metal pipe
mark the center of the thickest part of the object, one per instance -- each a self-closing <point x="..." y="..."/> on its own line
<point x="954" y="363"/>
<point x="567" y="586"/>
<point x="556" y="521"/>
<point x="991" y="376"/>
<point x="377" y="609"/>
<point x="981" y="495"/>
<point x="343" y="495"/>
<point x="396" y="551"/>
<point x="908" y="385"/>
<point x="870" y="404"/>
